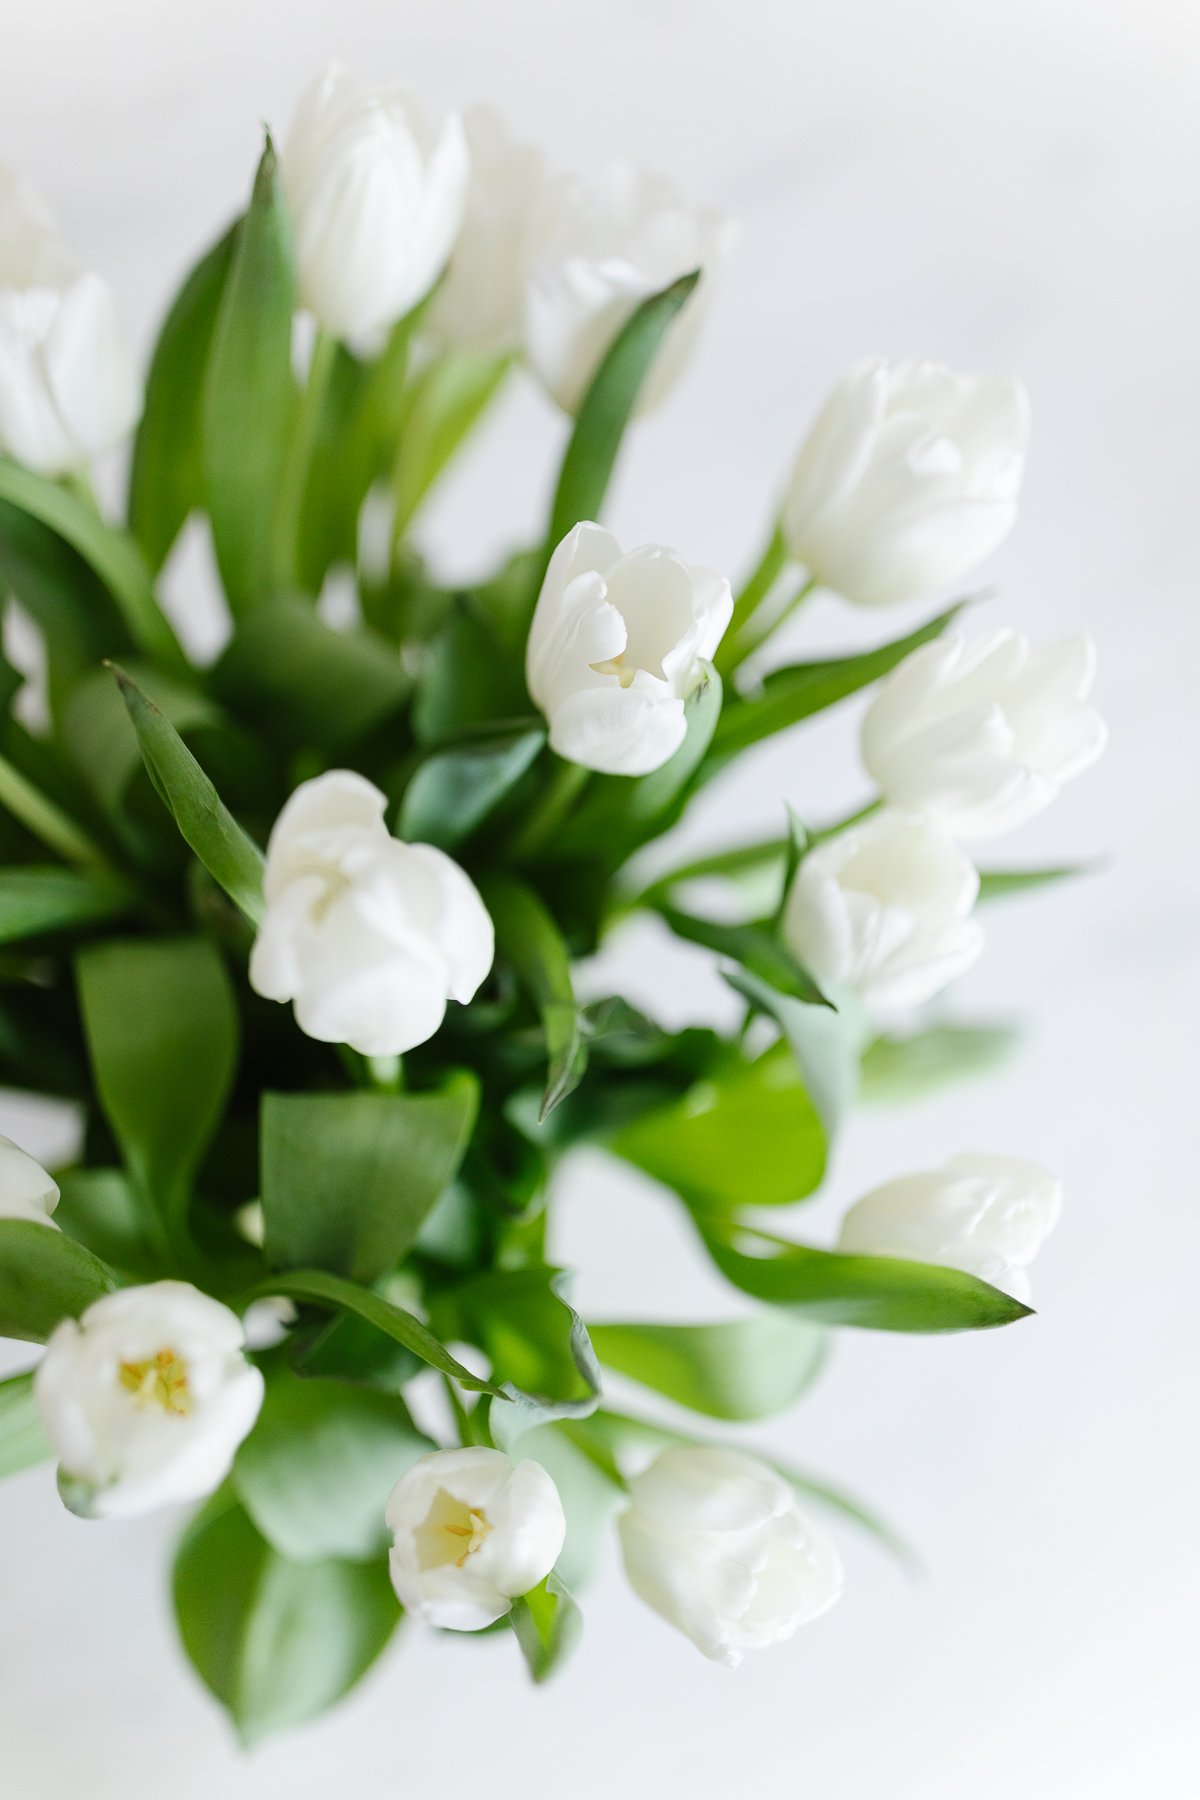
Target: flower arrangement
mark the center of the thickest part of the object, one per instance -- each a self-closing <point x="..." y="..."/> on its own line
<point x="295" y="931"/>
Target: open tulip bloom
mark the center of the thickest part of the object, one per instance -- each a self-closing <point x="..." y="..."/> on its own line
<point x="296" y="932"/>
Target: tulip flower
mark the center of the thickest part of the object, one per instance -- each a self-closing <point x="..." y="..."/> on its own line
<point x="715" y="1542"/>
<point x="909" y="478"/>
<point x="618" y="641"/>
<point x="68" y="385"/>
<point x="147" y="1397"/>
<point x="376" y="191"/>
<point x="982" y="735"/>
<point x="599" y="249"/>
<point x="368" y="936"/>
<point x="479" y="302"/>
<point x="883" y="911"/>
<point x="472" y="1532"/>
<point x="26" y="1191"/>
<point x="987" y="1215"/>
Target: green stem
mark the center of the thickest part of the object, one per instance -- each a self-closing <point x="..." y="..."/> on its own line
<point x="46" y="821"/>
<point x="769" y="568"/>
<point x="301" y="446"/>
<point x="757" y="627"/>
<point x="559" y="795"/>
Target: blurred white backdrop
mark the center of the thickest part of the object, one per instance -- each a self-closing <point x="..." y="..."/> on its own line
<point x="1013" y="184"/>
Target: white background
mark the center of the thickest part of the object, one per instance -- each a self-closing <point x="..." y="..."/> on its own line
<point x="1003" y="185"/>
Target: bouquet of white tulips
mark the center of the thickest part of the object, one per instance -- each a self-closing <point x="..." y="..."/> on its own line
<point x="294" y="930"/>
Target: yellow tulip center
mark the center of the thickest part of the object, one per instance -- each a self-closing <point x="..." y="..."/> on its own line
<point x="161" y="1380"/>
<point x="452" y="1532"/>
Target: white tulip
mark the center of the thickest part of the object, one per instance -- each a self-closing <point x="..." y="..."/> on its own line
<point x="599" y="249"/>
<point x="368" y="936"/>
<point x="473" y="1531"/>
<point x="26" y="1191"/>
<point x="715" y="1542"/>
<point x="618" y="642"/>
<point x="981" y="736"/>
<point x="147" y="1397"/>
<point x="883" y="911"/>
<point x="909" y="478"/>
<point x="68" y="385"/>
<point x="479" y="302"/>
<point x="987" y="1215"/>
<point x="376" y="192"/>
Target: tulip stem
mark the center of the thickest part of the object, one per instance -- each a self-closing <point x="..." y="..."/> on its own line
<point x="757" y="627"/>
<point x="30" y="807"/>
<point x="766" y="573"/>
<point x="301" y="445"/>
<point x="558" y="796"/>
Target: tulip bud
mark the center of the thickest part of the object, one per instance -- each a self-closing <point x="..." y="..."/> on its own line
<point x="479" y="301"/>
<point x="618" y="642"/>
<point x="368" y="936"/>
<point x="376" y="193"/>
<point x="909" y="478"/>
<point x="68" y="385"/>
<point x="599" y="249"/>
<point x="473" y="1531"/>
<point x="982" y="736"/>
<point x="987" y="1215"/>
<point x="147" y="1397"/>
<point x="715" y="1542"/>
<point x="26" y="1191"/>
<point x="883" y="911"/>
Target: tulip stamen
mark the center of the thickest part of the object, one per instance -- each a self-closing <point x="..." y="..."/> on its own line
<point x="159" y="1380"/>
<point x="476" y="1530"/>
<point x="625" y="673"/>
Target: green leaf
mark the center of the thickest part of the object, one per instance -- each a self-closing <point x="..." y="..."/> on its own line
<point x="529" y="939"/>
<point x="44" y="1277"/>
<point x="205" y="823"/>
<point x="446" y="400"/>
<point x="786" y="696"/>
<point x="316" y="1471"/>
<point x="547" y="1624"/>
<point x="453" y="791"/>
<point x="109" y="552"/>
<point x="1000" y="884"/>
<point x="749" y="1135"/>
<point x="590" y="1487"/>
<point x="166" y="480"/>
<point x="98" y="1208"/>
<point x="826" y="1044"/>
<point x="348" y="1179"/>
<point x="607" y="406"/>
<point x="757" y="948"/>
<point x="22" y="1440"/>
<point x="101" y="739"/>
<point x="277" y="1642"/>
<point x="249" y="399"/>
<point x="743" y="1369"/>
<point x="162" y="1033"/>
<point x="305" y="683"/>
<point x="469" y="677"/>
<point x="65" y="598"/>
<point x="901" y="1069"/>
<point x="36" y="900"/>
<point x="878" y="1293"/>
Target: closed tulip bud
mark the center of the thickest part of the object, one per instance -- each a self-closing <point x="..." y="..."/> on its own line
<point x="981" y="736"/>
<point x="987" y="1215"/>
<point x="472" y="1532"/>
<point x="376" y="192"/>
<point x="479" y="302"/>
<point x="715" y="1542"/>
<point x="599" y="249"/>
<point x="369" y="937"/>
<point x="909" y="478"/>
<point x="26" y="1191"/>
<point x="68" y="385"/>
<point x="618" y="641"/>
<point x="147" y="1397"/>
<point x="883" y="911"/>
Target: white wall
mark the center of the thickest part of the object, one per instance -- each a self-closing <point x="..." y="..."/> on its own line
<point x="1009" y="185"/>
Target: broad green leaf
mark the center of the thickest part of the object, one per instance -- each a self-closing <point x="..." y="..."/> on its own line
<point x="44" y="1277"/>
<point x="348" y="1179"/>
<point x="166" y="480"/>
<point x="22" y="1440"/>
<point x="826" y="1044"/>
<point x="108" y="551"/>
<point x="277" y="1642"/>
<point x="249" y="399"/>
<point x="453" y="791"/>
<point x="590" y="1487"/>
<point x="205" y="823"/>
<point x="878" y="1293"/>
<point x="757" y="948"/>
<point x="1000" y="884"/>
<point x="100" y="736"/>
<point x="749" y="1135"/>
<point x="547" y="1624"/>
<point x="607" y="407"/>
<point x="445" y="401"/>
<point x="316" y="1471"/>
<point x="898" y="1069"/>
<point x="41" y="899"/>
<point x="63" y="595"/>
<point x="25" y="802"/>
<point x="786" y="696"/>
<point x="528" y="938"/>
<point x="742" y="1369"/>
<point x="469" y="677"/>
<point x="304" y="682"/>
<point x="99" y="1209"/>
<point x="162" y="1033"/>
